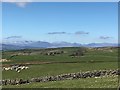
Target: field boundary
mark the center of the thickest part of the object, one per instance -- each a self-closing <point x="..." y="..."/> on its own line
<point x="69" y="76"/>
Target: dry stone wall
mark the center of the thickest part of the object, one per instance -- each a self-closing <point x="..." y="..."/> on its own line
<point x="69" y="76"/>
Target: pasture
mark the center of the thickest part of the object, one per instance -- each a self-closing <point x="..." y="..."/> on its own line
<point x="103" y="82"/>
<point x="41" y="64"/>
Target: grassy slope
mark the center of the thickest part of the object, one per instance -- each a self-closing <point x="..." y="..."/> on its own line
<point x="100" y="60"/>
<point x="55" y="69"/>
<point x="90" y="55"/>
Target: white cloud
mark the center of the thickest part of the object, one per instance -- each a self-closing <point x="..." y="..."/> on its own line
<point x="81" y="32"/>
<point x="57" y="33"/>
<point x="105" y="37"/>
<point x="14" y="1"/>
<point x="13" y="37"/>
<point x="20" y="3"/>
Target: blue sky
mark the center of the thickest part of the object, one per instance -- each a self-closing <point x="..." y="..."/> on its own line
<point x="54" y="22"/>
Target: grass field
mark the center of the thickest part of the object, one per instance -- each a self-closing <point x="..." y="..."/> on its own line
<point x="55" y="69"/>
<point x="103" y="82"/>
<point x="105" y="58"/>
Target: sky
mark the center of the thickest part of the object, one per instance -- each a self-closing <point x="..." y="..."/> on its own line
<point x="83" y="22"/>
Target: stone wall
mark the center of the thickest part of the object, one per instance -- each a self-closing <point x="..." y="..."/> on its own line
<point x="69" y="76"/>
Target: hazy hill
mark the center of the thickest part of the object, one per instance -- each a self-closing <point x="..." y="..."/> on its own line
<point x="41" y="44"/>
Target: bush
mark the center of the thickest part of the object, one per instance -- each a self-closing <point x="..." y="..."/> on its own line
<point x="80" y="52"/>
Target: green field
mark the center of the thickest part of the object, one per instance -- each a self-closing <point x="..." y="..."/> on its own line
<point x="103" y="82"/>
<point x="55" y="69"/>
<point x="93" y="59"/>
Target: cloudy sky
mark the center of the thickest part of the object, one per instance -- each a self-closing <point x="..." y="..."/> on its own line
<point x="55" y="22"/>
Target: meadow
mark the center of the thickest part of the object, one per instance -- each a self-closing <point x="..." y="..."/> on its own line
<point x="103" y="82"/>
<point x="41" y="65"/>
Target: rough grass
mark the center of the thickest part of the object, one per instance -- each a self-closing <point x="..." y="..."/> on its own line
<point x="92" y="60"/>
<point x="102" y="82"/>
<point x="94" y="55"/>
<point x="97" y="57"/>
<point x="55" y="69"/>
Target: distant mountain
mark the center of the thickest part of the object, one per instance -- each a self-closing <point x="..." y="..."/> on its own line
<point x="65" y="44"/>
<point x="41" y="44"/>
<point x="37" y="44"/>
<point x="19" y="43"/>
<point x="10" y="47"/>
<point x="101" y="44"/>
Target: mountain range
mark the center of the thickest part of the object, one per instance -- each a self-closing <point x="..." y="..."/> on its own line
<point x="16" y="45"/>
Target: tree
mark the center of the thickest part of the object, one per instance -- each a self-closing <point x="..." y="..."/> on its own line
<point x="80" y="52"/>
